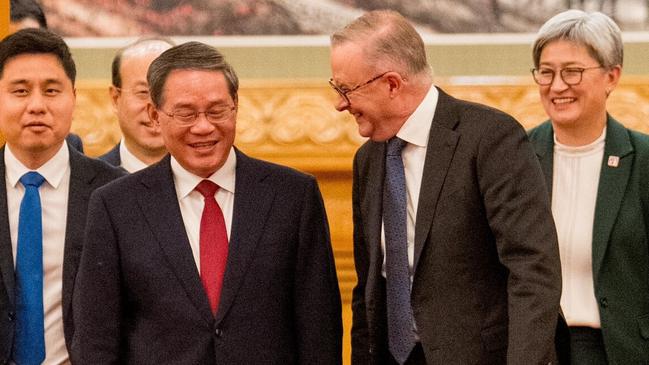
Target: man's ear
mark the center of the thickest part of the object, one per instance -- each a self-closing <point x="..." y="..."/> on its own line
<point x="395" y="82"/>
<point x="114" y="95"/>
<point x="153" y="115"/>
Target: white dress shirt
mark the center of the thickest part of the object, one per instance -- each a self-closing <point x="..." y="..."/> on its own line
<point x="54" y="204"/>
<point x="129" y="162"/>
<point x="574" y="194"/>
<point x="192" y="202"/>
<point x="415" y="131"/>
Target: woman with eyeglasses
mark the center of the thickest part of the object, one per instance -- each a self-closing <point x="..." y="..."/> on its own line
<point x="597" y="172"/>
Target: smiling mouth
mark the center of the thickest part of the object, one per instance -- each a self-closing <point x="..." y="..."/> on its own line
<point x="557" y="101"/>
<point x="203" y="144"/>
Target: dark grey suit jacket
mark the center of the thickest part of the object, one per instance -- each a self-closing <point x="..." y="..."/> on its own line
<point x="112" y="157"/>
<point x="139" y="296"/>
<point x="487" y="276"/>
<point x="86" y="175"/>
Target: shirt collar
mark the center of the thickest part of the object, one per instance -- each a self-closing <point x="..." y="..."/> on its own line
<point x="186" y="181"/>
<point x="53" y="170"/>
<point x="129" y="161"/>
<point x="417" y="127"/>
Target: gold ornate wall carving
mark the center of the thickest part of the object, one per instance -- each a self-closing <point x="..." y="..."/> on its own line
<point x="294" y="123"/>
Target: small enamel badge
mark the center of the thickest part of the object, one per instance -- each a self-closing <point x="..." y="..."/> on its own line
<point x="613" y="161"/>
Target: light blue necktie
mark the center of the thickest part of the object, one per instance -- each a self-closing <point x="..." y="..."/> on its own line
<point x="29" y="338"/>
<point x="401" y="333"/>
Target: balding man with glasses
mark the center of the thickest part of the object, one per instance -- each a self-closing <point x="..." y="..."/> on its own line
<point x="209" y="256"/>
<point x="454" y="243"/>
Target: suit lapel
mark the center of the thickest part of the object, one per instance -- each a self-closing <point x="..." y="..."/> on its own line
<point x="544" y="148"/>
<point x="6" y="251"/>
<point x="612" y="185"/>
<point x="442" y="141"/>
<point x="372" y="208"/>
<point x="252" y="202"/>
<point x="157" y="198"/>
<point x="81" y="177"/>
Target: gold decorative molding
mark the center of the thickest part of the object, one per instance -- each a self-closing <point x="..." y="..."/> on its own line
<point x="295" y="123"/>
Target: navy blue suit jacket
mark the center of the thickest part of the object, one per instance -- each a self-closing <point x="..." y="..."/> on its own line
<point x="139" y="296"/>
<point x="112" y="157"/>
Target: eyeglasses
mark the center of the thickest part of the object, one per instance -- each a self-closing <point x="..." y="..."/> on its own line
<point x="188" y="117"/>
<point x="140" y="93"/>
<point x="345" y="93"/>
<point x="544" y="76"/>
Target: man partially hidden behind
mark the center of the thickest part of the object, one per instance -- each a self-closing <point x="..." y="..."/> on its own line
<point x="142" y="144"/>
<point x="454" y="243"/>
<point x="43" y="201"/>
<point x="209" y="256"/>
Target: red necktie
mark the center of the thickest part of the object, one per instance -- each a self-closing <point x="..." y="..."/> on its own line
<point x="213" y="244"/>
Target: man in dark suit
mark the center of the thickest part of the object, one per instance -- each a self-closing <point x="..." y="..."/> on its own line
<point x="454" y="243"/>
<point x="176" y="273"/>
<point x="142" y="144"/>
<point x="37" y="95"/>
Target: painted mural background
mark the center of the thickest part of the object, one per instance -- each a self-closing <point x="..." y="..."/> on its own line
<point x="112" y="18"/>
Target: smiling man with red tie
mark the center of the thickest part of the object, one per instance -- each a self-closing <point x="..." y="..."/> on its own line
<point x="209" y="256"/>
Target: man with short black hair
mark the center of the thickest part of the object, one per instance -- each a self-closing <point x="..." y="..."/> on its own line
<point x="29" y="14"/>
<point x="43" y="202"/>
<point x="208" y="256"/>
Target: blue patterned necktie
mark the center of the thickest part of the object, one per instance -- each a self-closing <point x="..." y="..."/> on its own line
<point x="29" y="340"/>
<point x="401" y="335"/>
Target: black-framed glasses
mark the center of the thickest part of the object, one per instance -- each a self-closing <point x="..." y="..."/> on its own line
<point x="544" y="76"/>
<point x="188" y="117"/>
<point x="345" y="93"/>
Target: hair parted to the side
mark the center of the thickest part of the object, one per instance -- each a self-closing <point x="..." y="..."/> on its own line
<point x="37" y="41"/>
<point x="386" y="37"/>
<point x="188" y="56"/>
<point x="595" y="31"/>
<point x="116" y="76"/>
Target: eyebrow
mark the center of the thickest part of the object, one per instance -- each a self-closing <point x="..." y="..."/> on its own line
<point x="564" y="64"/>
<point x="26" y="81"/>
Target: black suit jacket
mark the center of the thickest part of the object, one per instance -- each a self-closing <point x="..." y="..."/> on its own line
<point x="112" y="157"/>
<point x="86" y="175"/>
<point x="139" y="294"/>
<point x="487" y="278"/>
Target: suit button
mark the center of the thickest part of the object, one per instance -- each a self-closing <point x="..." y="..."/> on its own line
<point x="218" y="332"/>
<point x="603" y="302"/>
<point x="11" y="316"/>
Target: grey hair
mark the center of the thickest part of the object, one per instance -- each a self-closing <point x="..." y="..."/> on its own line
<point x="595" y="31"/>
<point x="386" y="36"/>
